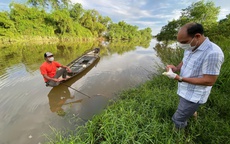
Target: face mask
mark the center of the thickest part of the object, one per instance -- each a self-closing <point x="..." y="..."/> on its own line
<point x="187" y="46"/>
<point x="51" y="59"/>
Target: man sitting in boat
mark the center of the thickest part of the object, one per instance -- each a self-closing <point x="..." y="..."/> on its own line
<point x="51" y="75"/>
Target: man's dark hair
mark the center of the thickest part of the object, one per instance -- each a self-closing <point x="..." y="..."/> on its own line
<point x="194" y="28"/>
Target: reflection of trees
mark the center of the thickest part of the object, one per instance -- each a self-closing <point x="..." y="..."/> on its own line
<point x="168" y="54"/>
<point x="121" y="47"/>
<point x="32" y="55"/>
<point x="66" y="52"/>
<point x="9" y="56"/>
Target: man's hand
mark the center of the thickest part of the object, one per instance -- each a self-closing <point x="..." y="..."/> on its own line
<point x="174" y="69"/>
<point x="68" y="69"/>
<point x="170" y="74"/>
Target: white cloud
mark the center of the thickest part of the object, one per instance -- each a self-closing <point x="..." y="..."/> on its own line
<point x="82" y="2"/>
<point x="223" y="13"/>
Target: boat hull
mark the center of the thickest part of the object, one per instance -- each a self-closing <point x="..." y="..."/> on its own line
<point x="82" y="63"/>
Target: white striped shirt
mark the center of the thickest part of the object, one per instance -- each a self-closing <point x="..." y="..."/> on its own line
<point x="206" y="59"/>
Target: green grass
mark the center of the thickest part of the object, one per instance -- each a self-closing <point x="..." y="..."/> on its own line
<point x="142" y="115"/>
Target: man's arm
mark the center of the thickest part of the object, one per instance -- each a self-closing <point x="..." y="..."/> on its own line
<point x="66" y="67"/>
<point x="206" y="80"/>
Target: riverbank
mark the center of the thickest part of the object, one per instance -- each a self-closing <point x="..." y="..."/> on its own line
<point x="143" y="115"/>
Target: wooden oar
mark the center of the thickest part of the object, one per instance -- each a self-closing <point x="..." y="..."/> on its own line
<point x="76" y="90"/>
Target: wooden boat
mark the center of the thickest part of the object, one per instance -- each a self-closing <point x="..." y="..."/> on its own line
<point x="59" y="94"/>
<point x="83" y="62"/>
<point x="80" y="64"/>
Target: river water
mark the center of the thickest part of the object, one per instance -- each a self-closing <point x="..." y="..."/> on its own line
<point x="30" y="110"/>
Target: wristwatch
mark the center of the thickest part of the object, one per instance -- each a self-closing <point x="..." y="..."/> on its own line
<point x="180" y="79"/>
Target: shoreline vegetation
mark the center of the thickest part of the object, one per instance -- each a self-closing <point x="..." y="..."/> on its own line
<point x="63" y="22"/>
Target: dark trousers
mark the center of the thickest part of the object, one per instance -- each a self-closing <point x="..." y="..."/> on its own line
<point x="185" y="110"/>
<point x="60" y="72"/>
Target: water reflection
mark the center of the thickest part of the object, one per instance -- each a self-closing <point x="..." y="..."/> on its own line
<point x="57" y="98"/>
<point x="60" y="94"/>
<point x="164" y="52"/>
<point x="32" y="55"/>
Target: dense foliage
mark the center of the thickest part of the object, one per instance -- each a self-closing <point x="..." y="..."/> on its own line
<point x="63" y="20"/>
<point x="200" y="12"/>
<point x="55" y="4"/>
<point x="124" y="31"/>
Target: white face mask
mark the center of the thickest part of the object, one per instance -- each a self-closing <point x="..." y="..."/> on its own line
<point x="187" y="46"/>
<point x="51" y="59"/>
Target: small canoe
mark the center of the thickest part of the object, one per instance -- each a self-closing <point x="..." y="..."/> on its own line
<point x="80" y="64"/>
<point x="83" y="62"/>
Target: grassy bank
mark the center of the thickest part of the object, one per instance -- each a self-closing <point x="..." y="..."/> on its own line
<point x="143" y="115"/>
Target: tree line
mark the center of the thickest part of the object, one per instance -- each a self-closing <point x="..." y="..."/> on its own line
<point x="202" y="12"/>
<point x="52" y="18"/>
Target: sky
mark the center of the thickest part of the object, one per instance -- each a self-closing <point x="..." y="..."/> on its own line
<point x="142" y="13"/>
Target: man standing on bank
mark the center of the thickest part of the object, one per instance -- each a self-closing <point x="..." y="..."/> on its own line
<point x="199" y="70"/>
<point x="49" y="70"/>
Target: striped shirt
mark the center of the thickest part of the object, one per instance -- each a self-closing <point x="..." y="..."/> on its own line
<point x="206" y="59"/>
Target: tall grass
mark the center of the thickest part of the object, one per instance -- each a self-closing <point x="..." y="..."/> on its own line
<point x="223" y="81"/>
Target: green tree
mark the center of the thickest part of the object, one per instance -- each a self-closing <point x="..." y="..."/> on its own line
<point x="76" y="11"/>
<point x="146" y="33"/>
<point x="169" y="31"/>
<point x="29" y="21"/>
<point x="124" y="31"/>
<point x="105" y="20"/>
<point x="91" y="20"/>
<point x="55" y="4"/>
<point x="200" y="12"/>
<point x="7" y="27"/>
<point x="63" y="22"/>
<point x="222" y="30"/>
<point x="63" y="19"/>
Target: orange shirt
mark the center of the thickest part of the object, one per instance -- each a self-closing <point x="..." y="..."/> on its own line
<point x="49" y="69"/>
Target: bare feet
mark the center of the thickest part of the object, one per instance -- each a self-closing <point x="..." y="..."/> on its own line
<point x="67" y="77"/>
<point x="195" y="115"/>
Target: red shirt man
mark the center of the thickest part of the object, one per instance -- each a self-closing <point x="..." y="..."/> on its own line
<point x="49" y="70"/>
